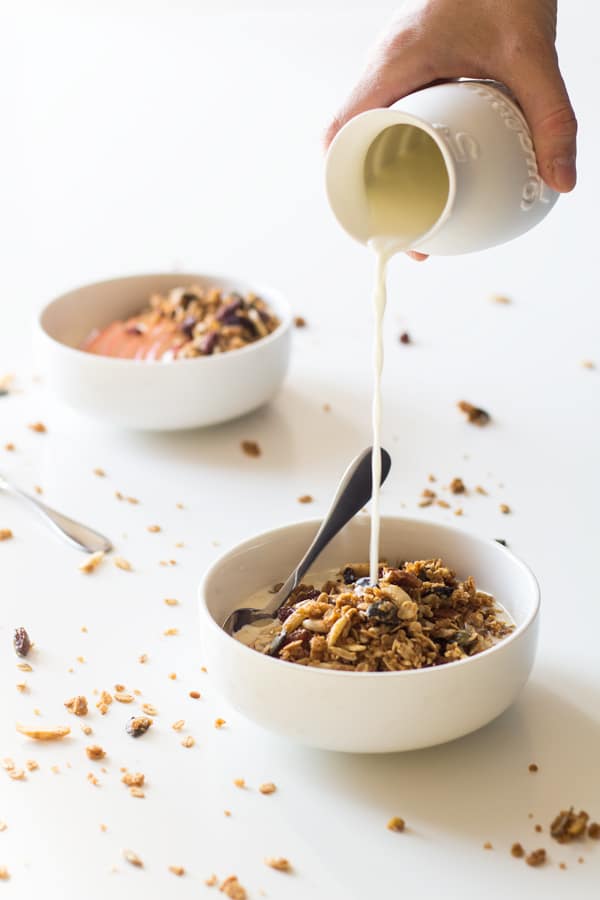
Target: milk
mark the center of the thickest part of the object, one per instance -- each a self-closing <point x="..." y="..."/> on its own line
<point x="406" y="189"/>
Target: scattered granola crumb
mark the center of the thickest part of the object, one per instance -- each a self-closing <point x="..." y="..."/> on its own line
<point x="177" y="870"/>
<point x="31" y="765"/>
<point x="86" y="729"/>
<point x="443" y="503"/>
<point x="38" y="427"/>
<point x="211" y="880"/>
<point x="133" y="858"/>
<point x="5" y="534"/>
<point x="504" y="508"/>
<point x="92" y="562"/>
<point x="239" y="782"/>
<point x="533" y="767"/>
<point x="305" y="498"/>
<point x="219" y="723"/>
<point x="17" y="774"/>
<point x="3" y="826"/>
<point x="233" y="889"/>
<point x="171" y="601"/>
<point x="267" y="788"/>
<point x="588" y="364"/>
<point x="103" y="827"/>
<point x="99" y="472"/>
<point x="300" y="322"/>
<point x="479" y="489"/>
<point x="538" y="828"/>
<point x="227" y="813"/>
<point x="143" y="658"/>
<point x="24" y="667"/>
<point x="123" y="697"/>
<point x="171" y="632"/>
<point x="195" y="695"/>
<point x="594" y="831"/>
<point x="21" y="640"/>
<point x="500" y="298"/>
<point x="122" y="563"/>
<point x="517" y="851"/>
<point x="77" y="705"/>
<point x="326" y="407"/>
<point x="426" y="502"/>
<point x="154" y="529"/>
<point x="22" y="687"/>
<point x="459" y="511"/>
<point x="149" y="709"/>
<point x="488" y="846"/>
<point x="178" y="725"/>
<point x="94" y="751"/>
<point x="137" y="792"/>
<point x="4" y="873"/>
<point x="427" y="492"/>
<point x="251" y="448"/>
<point x="180" y="506"/>
<point x="568" y="825"/>
<point x="172" y="676"/>
<point x="475" y="415"/>
<point x="536" y="857"/>
<point x="10" y="447"/>
<point x="44" y="734"/>
<point x="580" y="859"/>
<point x="278" y="862"/>
<point x="188" y="741"/>
<point x="104" y="702"/>
<point x="457" y="486"/>
<point x="203" y="669"/>
<point x="562" y="865"/>
<point x="396" y="824"/>
<point x="138" y="725"/>
<point x="405" y="338"/>
<point x="38" y="489"/>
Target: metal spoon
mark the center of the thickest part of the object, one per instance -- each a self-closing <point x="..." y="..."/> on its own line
<point x="80" y="536"/>
<point x="354" y="491"/>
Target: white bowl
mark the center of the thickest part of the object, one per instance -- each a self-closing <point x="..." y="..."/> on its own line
<point x="369" y="712"/>
<point x="184" y="393"/>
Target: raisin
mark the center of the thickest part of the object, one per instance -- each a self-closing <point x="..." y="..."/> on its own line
<point x="299" y="634"/>
<point x="186" y="299"/>
<point x="405" y="338"/>
<point x="383" y="611"/>
<point x="21" y="642"/>
<point x="208" y="343"/>
<point x="284" y="613"/>
<point x="187" y="326"/>
<point x="138" y="725"/>
<point x="228" y="311"/>
<point x="348" y="575"/>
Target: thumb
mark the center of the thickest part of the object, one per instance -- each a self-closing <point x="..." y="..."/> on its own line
<point x="543" y="97"/>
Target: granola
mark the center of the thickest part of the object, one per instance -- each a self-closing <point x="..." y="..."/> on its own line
<point x="419" y="615"/>
<point x="184" y="323"/>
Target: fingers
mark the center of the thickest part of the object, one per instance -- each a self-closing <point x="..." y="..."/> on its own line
<point x="540" y="89"/>
<point x="395" y="70"/>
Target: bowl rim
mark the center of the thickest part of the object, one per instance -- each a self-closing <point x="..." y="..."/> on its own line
<point x="284" y="313"/>
<point x="519" y="631"/>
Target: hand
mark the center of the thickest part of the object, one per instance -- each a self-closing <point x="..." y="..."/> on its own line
<point x="511" y="42"/>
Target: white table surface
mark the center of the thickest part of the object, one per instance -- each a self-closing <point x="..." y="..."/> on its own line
<point x="164" y="136"/>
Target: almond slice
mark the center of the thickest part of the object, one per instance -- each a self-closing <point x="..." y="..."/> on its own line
<point x="44" y="734"/>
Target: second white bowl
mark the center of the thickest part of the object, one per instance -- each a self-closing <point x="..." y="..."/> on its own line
<point x="185" y="393"/>
<point x="369" y="712"/>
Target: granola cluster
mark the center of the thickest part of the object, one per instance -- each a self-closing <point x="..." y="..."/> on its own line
<point x="419" y="615"/>
<point x="187" y="322"/>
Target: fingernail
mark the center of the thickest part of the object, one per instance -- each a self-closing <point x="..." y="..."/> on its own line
<point x="564" y="174"/>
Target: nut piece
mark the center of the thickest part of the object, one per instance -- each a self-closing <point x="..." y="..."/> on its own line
<point x="178" y="725"/>
<point x="396" y="824"/>
<point x="44" y="734"/>
<point x="123" y="697"/>
<point x="279" y="862"/>
<point x="92" y="562"/>
<point x="475" y="415"/>
<point x="138" y="725"/>
<point x="267" y="788"/>
<point x="251" y="448"/>
<point x="77" y="705"/>
<point x="104" y="702"/>
<point x="536" y="857"/>
<point x="133" y="779"/>
<point x="300" y="322"/>
<point x="5" y="534"/>
<point x="567" y="826"/>
<point x="457" y="486"/>
<point x="177" y="870"/>
<point x="4" y="873"/>
<point x="517" y="851"/>
<point x="21" y="642"/>
<point x="39" y="427"/>
<point x="121" y="563"/>
<point x="594" y="831"/>
<point x="94" y="751"/>
<point x="188" y="741"/>
<point x="133" y="858"/>
<point x="305" y="498"/>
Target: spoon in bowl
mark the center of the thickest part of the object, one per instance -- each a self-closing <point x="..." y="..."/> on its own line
<point x="354" y="491"/>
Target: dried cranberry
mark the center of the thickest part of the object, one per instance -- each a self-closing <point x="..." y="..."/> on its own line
<point x="208" y="343"/>
<point x="187" y="326"/>
<point x="21" y="642"/>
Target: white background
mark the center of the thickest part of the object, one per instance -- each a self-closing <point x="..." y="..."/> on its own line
<point x="158" y="136"/>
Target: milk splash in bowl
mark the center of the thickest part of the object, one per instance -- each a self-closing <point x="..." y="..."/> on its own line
<point x="406" y="187"/>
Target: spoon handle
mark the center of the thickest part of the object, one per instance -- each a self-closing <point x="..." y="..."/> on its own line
<point x="354" y="491"/>
<point x="79" y="535"/>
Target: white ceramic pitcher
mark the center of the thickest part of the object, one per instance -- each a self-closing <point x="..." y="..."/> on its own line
<point x="495" y="192"/>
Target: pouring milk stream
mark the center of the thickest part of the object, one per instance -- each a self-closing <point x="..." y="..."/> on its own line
<point x="447" y="170"/>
